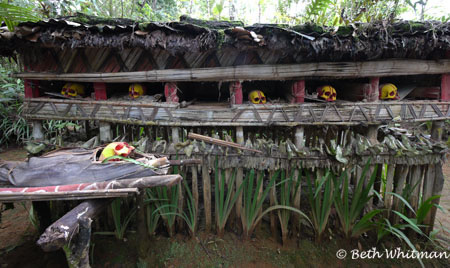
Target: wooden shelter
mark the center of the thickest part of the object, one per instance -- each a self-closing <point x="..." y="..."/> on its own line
<point x="204" y="71"/>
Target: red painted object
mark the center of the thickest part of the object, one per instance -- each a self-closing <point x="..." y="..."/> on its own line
<point x="32" y="88"/>
<point x="298" y="91"/>
<point x="62" y="188"/>
<point x="236" y="93"/>
<point x="100" y="91"/>
<point x="373" y="92"/>
<point x="170" y="92"/>
<point x="445" y="87"/>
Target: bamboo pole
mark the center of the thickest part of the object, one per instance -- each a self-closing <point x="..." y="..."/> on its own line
<point x="400" y="179"/>
<point x="300" y="144"/>
<point x="389" y="188"/>
<point x="239" y="174"/>
<point x="220" y="142"/>
<point x="392" y="67"/>
<point x="273" y="214"/>
<point x="207" y="195"/>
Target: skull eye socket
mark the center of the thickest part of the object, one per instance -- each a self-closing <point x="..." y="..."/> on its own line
<point x="333" y="95"/>
<point x="256" y="99"/>
<point x="392" y="93"/>
<point x="263" y="98"/>
<point x="71" y="91"/>
<point x="326" y="94"/>
<point x="119" y="147"/>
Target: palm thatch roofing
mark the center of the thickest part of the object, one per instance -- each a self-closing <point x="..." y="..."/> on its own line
<point x="290" y="44"/>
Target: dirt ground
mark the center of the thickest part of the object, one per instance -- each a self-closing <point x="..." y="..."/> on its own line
<point x="18" y="249"/>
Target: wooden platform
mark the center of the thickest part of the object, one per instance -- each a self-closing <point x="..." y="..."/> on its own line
<point x="169" y="114"/>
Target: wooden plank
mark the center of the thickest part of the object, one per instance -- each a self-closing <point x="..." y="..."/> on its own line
<point x="239" y="174"/>
<point x="389" y="187"/>
<point x="445" y="86"/>
<point x="428" y="185"/>
<point x="412" y="111"/>
<point x="400" y="179"/>
<point x="415" y="183"/>
<point x="380" y="68"/>
<point x="207" y="196"/>
<point x="273" y="214"/>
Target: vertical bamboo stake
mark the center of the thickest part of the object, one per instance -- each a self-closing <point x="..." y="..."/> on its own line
<point x="206" y="194"/>
<point x="415" y="183"/>
<point x="300" y="144"/>
<point x="240" y="173"/>
<point x="400" y="179"/>
<point x="228" y="174"/>
<point x="176" y="139"/>
<point x="389" y="188"/>
<point x="436" y="134"/>
<point x="195" y="187"/>
<point x="273" y="215"/>
<point x="142" y="225"/>
<point x="428" y="186"/>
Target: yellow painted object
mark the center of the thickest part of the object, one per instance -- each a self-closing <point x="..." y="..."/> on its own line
<point x="116" y="148"/>
<point x="388" y="92"/>
<point x="327" y="93"/>
<point x="136" y="90"/>
<point x="257" y="97"/>
<point x="73" y="90"/>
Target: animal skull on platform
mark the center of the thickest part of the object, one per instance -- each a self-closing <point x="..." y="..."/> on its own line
<point x="388" y="92"/>
<point x="136" y="90"/>
<point x="327" y="93"/>
<point x="257" y="97"/>
<point x="73" y="90"/>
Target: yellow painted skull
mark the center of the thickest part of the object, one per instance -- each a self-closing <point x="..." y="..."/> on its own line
<point x="136" y="90"/>
<point x="388" y="92"/>
<point x="257" y="97"/>
<point x="327" y="93"/>
<point x="73" y="90"/>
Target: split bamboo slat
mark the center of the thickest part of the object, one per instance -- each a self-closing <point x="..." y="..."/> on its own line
<point x="399" y="181"/>
<point x="379" y="68"/>
<point x="240" y="173"/>
<point x="349" y="114"/>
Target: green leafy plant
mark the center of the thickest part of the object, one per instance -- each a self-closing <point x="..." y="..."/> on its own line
<point x="166" y="202"/>
<point x="152" y="218"/>
<point x="252" y="202"/>
<point x="350" y="212"/>
<point x="320" y="196"/>
<point x="12" y="15"/>
<point x="119" y="224"/>
<point x="288" y="190"/>
<point x="224" y="201"/>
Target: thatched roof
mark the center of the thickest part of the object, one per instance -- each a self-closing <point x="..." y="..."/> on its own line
<point x="291" y="44"/>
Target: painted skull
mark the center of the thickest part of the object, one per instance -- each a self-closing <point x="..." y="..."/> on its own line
<point x="388" y="92"/>
<point x="73" y="90"/>
<point x="327" y="93"/>
<point x="123" y="149"/>
<point x="136" y="90"/>
<point x="257" y="97"/>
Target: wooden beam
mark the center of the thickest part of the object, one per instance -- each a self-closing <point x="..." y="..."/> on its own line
<point x="61" y="232"/>
<point x="380" y="68"/>
<point x="31" y="88"/>
<point x="100" y="91"/>
<point x="298" y="91"/>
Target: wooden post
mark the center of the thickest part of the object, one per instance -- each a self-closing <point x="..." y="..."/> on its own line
<point x="236" y="96"/>
<point x="170" y="92"/>
<point x="61" y="231"/>
<point x="38" y="132"/>
<point x="438" y="185"/>
<point x="195" y="187"/>
<point x="273" y="214"/>
<point x="105" y="132"/>
<point x="77" y="252"/>
<point x="207" y="195"/>
<point x="373" y="94"/>
<point x="142" y="234"/>
<point x="428" y="186"/>
<point x="298" y="91"/>
<point x="389" y="188"/>
<point x="31" y="88"/>
<point x="400" y="179"/>
<point x="239" y="174"/>
<point x="416" y="177"/>
<point x="300" y="144"/>
<point x="100" y="91"/>
<point x="445" y="87"/>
